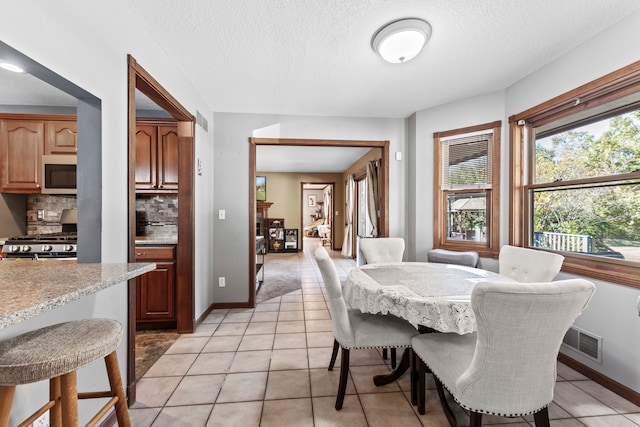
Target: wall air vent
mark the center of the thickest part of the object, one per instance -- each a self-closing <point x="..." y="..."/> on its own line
<point x="201" y="121"/>
<point x="584" y="343"/>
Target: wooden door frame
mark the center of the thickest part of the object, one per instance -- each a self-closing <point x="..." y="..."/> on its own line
<point x="139" y="78"/>
<point x="383" y="190"/>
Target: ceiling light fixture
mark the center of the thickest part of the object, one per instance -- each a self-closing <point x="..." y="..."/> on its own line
<point x="10" y="67"/>
<point x="400" y="41"/>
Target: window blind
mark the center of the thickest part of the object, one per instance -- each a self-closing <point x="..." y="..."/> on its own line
<point x="466" y="161"/>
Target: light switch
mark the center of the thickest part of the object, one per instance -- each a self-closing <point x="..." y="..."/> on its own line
<point x="221" y="214"/>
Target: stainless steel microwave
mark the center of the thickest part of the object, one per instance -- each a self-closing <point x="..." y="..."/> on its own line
<point x="59" y="174"/>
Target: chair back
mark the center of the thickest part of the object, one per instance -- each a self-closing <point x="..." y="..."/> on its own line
<point x="340" y="322"/>
<point x="529" y="265"/>
<point x="382" y="249"/>
<point x="520" y="329"/>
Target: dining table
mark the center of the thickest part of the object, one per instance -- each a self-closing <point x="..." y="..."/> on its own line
<point x="432" y="297"/>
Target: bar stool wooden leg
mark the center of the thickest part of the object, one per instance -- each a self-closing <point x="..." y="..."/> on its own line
<point x="55" y="413"/>
<point x="115" y="380"/>
<point x="69" y="397"/>
<point x="6" y="399"/>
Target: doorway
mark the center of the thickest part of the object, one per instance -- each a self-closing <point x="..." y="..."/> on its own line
<point x="141" y="80"/>
<point x="317" y="212"/>
<point x="383" y="190"/>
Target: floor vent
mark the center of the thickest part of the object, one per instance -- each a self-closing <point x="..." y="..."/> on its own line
<point x="585" y="343"/>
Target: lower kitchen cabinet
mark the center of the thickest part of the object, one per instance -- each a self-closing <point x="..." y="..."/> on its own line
<point x="156" y="290"/>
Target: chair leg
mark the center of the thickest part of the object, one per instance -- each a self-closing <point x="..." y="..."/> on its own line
<point x="384" y="353"/>
<point x="69" y="398"/>
<point x="475" y="419"/>
<point x="420" y="385"/>
<point x="115" y="381"/>
<point x="542" y="418"/>
<point x="6" y="400"/>
<point x="445" y="405"/>
<point x="344" y="376"/>
<point x="414" y="378"/>
<point x="55" y="413"/>
<point x="393" y="358"/>
<point x="334" y="354"/>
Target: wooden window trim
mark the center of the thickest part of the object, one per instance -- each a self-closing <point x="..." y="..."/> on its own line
<point x="491" y="247"/>
<point x="597" y="92"/>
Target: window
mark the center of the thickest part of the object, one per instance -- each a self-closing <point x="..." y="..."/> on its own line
<point x="466" y="199"/>
<point x="579" y="191"/>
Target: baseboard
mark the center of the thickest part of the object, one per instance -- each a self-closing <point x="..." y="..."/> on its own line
<point x="619" y="389"/>
<point x="230" y="305"/>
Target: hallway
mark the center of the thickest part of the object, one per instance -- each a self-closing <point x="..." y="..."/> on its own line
<point x="268" y="367"/>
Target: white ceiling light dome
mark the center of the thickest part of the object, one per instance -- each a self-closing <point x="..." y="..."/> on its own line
<point x="400" y="41"/>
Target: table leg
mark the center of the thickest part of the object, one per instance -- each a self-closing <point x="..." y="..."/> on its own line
<point x="402" y="367"/>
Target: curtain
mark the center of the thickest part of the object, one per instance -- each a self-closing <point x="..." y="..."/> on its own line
<point x="326" y="207"/>
<point x="347" y="249"/>
<point x="373" y="199"/>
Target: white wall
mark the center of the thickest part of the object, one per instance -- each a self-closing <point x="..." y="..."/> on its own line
<point x="232" y="132"/>
<point x="87" y="43"/>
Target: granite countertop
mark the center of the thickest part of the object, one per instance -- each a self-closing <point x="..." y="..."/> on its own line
<point x="148" y="240"/>
<point x="30" y="288"/>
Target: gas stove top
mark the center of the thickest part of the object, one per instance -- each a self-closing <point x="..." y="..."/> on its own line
<point x="55" y="245"/>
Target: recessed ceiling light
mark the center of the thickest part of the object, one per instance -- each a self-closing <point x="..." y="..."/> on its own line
<point x="400" y="41"/>
<point x="11" y="67"/>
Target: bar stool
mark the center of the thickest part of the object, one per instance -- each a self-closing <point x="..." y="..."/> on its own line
<point x="55" y="353"/>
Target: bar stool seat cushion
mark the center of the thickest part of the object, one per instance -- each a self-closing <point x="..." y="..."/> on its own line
<point x="56" y="350"/>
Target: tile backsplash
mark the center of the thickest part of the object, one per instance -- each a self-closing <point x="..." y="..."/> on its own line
<point x="157" y="216"/>
<point x="52" y="206"/>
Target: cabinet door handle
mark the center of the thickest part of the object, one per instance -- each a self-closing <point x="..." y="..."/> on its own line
<point x="141" y="253"/>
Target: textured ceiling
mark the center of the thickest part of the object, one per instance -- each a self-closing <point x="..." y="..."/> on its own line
<point x="313" y="57"/>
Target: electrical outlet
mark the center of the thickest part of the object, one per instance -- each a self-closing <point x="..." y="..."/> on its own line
<point x="43" y="421"/>
<point x="40" y="214"/>
<point x="221" y="283"/>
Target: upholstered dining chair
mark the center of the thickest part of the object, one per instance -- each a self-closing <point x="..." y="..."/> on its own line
<point x="353" y="329"/>
<point x="529" y="265"/>
<point x="508" y="367"/>
<point x="382" y="249"/>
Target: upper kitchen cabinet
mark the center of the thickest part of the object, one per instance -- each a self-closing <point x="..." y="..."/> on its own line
<point x="24" y="139"/>
<point x="62" y="137"/>
<point x="21" y="147"/>
<point x="156" y="158"/>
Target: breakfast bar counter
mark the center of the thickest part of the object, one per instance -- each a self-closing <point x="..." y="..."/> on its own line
<point x="29" y="288"/>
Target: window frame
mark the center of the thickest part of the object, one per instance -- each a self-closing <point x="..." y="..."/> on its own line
<point x="610" y="87"/>
<point x="491" y="247"/>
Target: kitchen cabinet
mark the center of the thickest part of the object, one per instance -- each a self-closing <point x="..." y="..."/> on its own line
<point x="24" y="138"/>
<point x="21" y="147"/>
<point x="156" y="290"/>
<point x="156" y="158"/>
<point x="62" y="137"/>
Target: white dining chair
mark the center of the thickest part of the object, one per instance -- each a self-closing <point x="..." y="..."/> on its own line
<point x="529" y="265"/>
<point x="382" y="249"/>
<point x="508" y="367"/>
<point x="353" y="329"/>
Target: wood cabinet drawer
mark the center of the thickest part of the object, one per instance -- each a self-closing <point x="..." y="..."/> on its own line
<point x="147" y="253"/>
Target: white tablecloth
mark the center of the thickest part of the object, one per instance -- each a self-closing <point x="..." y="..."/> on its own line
<point x="437" y="296"/>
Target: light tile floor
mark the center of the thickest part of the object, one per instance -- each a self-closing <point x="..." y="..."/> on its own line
<point x="268" y="367"/>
